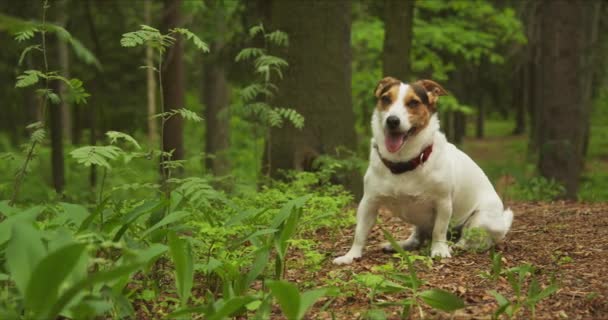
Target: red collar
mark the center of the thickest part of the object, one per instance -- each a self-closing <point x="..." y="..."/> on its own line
<point x="401" y="167"/>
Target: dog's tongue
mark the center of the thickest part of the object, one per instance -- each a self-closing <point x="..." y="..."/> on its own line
<point x="394" y="141"/>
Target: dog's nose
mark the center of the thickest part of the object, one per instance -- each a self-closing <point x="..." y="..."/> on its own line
<point x="392" y="122"/>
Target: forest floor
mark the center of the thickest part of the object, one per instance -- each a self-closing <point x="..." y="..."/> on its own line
<point x="561" y="239"/>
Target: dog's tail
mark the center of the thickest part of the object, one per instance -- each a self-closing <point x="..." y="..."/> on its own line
<point x="508" y="218"/>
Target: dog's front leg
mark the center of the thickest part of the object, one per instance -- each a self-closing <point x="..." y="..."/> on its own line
<point x="366" y="219"/>
<point x="443" y="213"/>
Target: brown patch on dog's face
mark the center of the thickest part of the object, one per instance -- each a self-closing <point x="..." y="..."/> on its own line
<point x="387" y="92"/>
<point x="419" y="112"/>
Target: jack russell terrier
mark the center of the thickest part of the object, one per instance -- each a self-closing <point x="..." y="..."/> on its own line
<point x="421" y="177"/>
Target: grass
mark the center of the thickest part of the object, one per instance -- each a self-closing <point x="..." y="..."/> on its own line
<point x="504" y="158"/>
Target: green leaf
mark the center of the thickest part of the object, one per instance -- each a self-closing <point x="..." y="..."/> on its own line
<point x="503" y="304"/>
<point x="181" y="252"/>
<point x="308" y="299"/>
<point x="139" y="211"/>
<point x="23" y="253"/>
<point x="259" y="264"/>
<point x="442" y="300"/>
<point x="47" y="277"/>
<point x="288" y="297"/>
<point x="192" y="37"/>
<point x="14" y="217"/>
<point x="73" y="213"/>
<point x="223" y="310"/>
<point x="172" y="217"/>
<point x="115" y="136"/>
<point x="93" y="279"/>
<point x="96" y="155"/>
<point x="28" y="78"/>
<point x="249" y="53"/>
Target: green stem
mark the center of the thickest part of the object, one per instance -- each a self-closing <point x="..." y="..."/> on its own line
<point x="30" y="154"/>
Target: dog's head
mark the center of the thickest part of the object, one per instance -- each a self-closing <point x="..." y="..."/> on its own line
<point x="405" y="109"/>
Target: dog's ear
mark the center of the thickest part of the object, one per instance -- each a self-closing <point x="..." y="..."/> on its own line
<point x="434" y="90"/>
<point x="385" y="84"/>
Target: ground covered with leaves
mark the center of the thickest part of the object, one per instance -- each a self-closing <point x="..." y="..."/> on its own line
<point x="565" y="242"/>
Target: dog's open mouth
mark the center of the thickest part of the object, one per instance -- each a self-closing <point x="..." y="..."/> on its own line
<point x="394" y="140"/>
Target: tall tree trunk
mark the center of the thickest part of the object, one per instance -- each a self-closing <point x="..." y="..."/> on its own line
<point x="150" y="82"/>
<point x="460" y="127"/>
<point x="398" y="18"/>
<point x="520" y="95"/>
<point x="216" y="100"/>
<point x="317" y="84"/>
<point x="480" y="117"/>
<point x="56" y="125"/>
<point x="173" y="82"/>
<point x="564" y="96"/>
<point x="63" y="56"/>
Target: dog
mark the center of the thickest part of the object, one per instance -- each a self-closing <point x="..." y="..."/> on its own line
<point x="421" y="177"/>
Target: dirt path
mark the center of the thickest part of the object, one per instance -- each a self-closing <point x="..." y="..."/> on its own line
<point x="567" y="240"/>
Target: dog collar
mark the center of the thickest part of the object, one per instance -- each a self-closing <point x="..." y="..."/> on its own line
<point x="401" y="167"/>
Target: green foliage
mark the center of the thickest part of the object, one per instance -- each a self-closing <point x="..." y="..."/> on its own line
<point x="150" y="36"/>
<point x="470" y="30"/>
<point x="181" y="252"/>
<point x="293" y="303"/>
<point x="538" y="188"/>
<point x="96" y="155"/>
<point x="396" y="282"/>
<point x="517" y="277"/>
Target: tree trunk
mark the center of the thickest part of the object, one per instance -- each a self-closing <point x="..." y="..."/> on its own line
<point x="398" y="18"/>
<point x="56" y="126"/>
<point x="217" y="120"/>
<point x="317" y="84"/>
<point x="173" y="82"/>
<point x="150" y="82"/>
<point x="520" y="95"/>
<point x="480" y="117"/>
<point x="63" y="56"/>
<point x="460" y="126"/>
<point x="564" y="96"/>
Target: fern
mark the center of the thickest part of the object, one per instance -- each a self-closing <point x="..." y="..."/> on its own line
<point x="25" y="34"/>
<point x="29" y="78"/>
<point x="249" y="53"/>
<point x="197" y="191"/>
<point x="115" y="136"/>
<point x="192" y="37"/>
<point x="253" y="31"/>
<point x="278" y="37"/>
<point x="291" y="115"/>
<point x="77" y="93"/>
<point x="96" y="155"/>
<point x="251" y="91"/>
<point x="38" y="135"/>
<point x="183" y="112"/>
<point x="146" y="35"/>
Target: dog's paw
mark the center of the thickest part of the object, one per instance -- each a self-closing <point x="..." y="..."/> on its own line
<point x="407" y="245"/>
<point x="345" y="259"/>
<point x="387" y="248"/>
<point x="441" y="250"/>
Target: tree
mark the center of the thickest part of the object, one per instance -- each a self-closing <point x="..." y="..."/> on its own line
<point x="565" y="72"/>
<point x="216" y="101"/>
<point x="60" y="115"/>
<point x="398" y="20"/>
<point x="317" y="84"/>
<point x="173" y="82"/>
<point x="150" y="80"/>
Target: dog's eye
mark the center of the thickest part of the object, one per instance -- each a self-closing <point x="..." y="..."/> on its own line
<point x="413" y="103"/>
<point x="385" y="100"/>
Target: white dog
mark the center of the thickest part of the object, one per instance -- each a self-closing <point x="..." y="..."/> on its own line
<point x="420" y="177"/>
